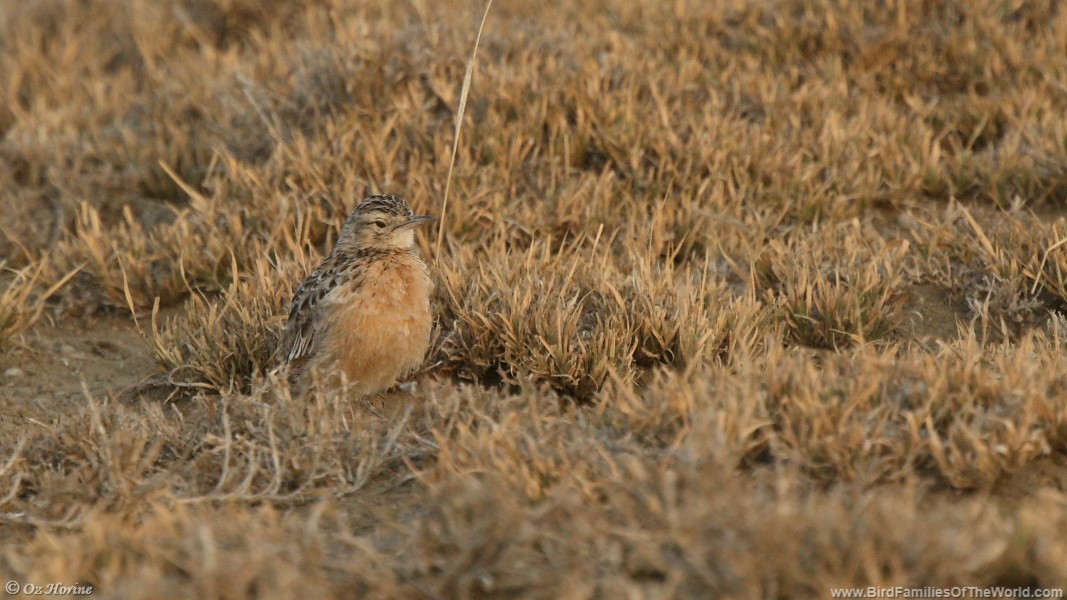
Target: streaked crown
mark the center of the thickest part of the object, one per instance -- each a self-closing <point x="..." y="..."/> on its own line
<point x="384" y="203"/>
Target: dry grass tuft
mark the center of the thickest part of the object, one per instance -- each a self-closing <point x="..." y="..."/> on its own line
<point x="221" y="343"/>
<point x="22" y="300"/>
<point x="16" y="313"/>
<point x="572" y="317"/>
<point x="834" y="293"/>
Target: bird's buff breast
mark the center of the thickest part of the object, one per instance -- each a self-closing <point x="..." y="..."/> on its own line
<point x="381" y="331"/>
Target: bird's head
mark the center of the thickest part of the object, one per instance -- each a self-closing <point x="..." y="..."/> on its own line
<point x="381" y="221"/>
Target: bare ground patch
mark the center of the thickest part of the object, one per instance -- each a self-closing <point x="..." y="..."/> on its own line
<point x="52" y="370"/>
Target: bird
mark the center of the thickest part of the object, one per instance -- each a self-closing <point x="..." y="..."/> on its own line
<point x="362" y="317"/>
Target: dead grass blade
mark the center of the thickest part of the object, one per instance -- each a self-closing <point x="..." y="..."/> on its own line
<point x="465" y="89"/>
<point x="21" y="303"/>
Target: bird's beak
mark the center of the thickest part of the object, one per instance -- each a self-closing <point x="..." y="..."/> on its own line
<point x="414" y="222"/>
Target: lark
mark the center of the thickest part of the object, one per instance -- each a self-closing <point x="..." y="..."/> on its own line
<point x="364" y="313"/>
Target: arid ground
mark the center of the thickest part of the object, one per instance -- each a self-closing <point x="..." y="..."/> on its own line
<point x="736" y="298"/>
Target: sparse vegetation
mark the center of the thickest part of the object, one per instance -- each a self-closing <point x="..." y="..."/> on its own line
<point x="741" y="299"/>
<point x="16" y="313"/>
<point x="21" y="300"/>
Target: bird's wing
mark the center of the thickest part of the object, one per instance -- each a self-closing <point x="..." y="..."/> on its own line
<point x="298" y="341"/>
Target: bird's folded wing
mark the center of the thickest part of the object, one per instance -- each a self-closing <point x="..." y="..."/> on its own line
<point x="299" y="338"/>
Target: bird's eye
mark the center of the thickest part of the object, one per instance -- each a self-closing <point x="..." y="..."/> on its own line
<point x="379" y="224"/>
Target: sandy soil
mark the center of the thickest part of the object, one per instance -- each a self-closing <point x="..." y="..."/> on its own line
<point x="46" y="375"/>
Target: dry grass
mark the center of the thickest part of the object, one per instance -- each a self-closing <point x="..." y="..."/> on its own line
<point x="738" y="299"/>
<point x="833" y="288"/>
<point x="222" y="343"/>
<point x="16" y="314"/>
<point x="22" y="301"/>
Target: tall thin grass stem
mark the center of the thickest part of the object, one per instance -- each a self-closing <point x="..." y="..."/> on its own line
<point x="459" y="125"/>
